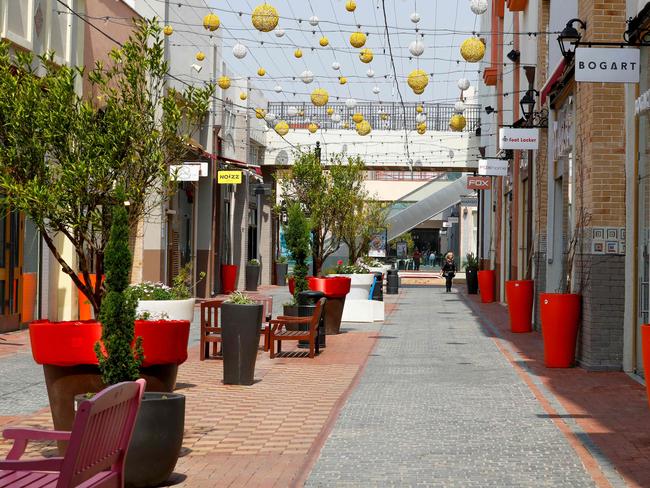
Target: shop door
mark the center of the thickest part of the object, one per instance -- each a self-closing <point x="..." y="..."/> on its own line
<point x="11" y="237"/>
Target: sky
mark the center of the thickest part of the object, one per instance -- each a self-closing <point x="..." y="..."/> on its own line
<point x="443" y="26"/>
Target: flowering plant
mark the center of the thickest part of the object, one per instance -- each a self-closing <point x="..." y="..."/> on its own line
<point x="350" y="268"/>
<point x="182" y="288"/>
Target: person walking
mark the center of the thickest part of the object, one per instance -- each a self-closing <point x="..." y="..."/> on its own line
<point x="416" y="259"/>
<point x="448" y="270"/>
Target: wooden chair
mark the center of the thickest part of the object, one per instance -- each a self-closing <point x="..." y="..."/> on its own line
<point x="276" y="332"/>
<point x="210" y="328"/>
<point x="95" y="457"/>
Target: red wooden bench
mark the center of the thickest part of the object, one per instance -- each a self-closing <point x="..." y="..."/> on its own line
<point x="95" y="457"/>
<point x="277" y="334"/>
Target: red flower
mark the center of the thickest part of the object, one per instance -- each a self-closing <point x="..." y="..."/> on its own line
<point x="339" y="262"/>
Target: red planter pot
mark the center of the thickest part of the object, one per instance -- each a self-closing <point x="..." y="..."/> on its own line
<point x="228" y="278"/>
<point x="645" y="346"/>
<point x="291" y="281"/>
<point x="519" y="296"/>
<point x="560" y="313"/>
<point x="334" y="287"/>
<point x="163" y="341"/>
<point x="486" y="285"/>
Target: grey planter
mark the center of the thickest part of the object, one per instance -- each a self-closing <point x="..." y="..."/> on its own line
<point x="281" y="273"/>
<point x="240" y="326"/>
<point x="252" y="276"/>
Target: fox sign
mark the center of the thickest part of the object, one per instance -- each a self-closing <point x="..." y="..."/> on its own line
<point x="479" y="183"/>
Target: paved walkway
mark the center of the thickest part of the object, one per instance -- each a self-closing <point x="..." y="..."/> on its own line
<point x="439" y="405"/>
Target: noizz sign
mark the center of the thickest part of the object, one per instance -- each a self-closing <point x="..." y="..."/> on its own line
<point x="607" y="65"/>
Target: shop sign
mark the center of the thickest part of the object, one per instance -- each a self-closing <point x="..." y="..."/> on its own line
<point x="452" y="220"/>
<point x="642" y="104"/>
<point x="229" y="177"/>
<point x="479" y="183"/>
<point x="606" y="65"/>
<point x="518" y="138"/>
<point x="185" y="172"/>
<point x="446" y="224"/>
<point x="402" y="250"/>
<point x="493" y="167"/>
<point x="469" y="201"/>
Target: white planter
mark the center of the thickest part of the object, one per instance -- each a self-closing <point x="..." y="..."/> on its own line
<point x="360" y="286"/>
<point x="174" y="309"/>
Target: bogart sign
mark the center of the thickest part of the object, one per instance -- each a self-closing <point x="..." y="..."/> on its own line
<point x="518" y="138"/>
<point x="605" y="65"/>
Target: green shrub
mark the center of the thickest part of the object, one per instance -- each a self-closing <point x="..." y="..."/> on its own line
<point x="297" y="235"/>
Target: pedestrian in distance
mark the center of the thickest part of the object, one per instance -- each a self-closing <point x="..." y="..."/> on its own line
<point x="448" y="270"/>
<point x="416" y="259"/>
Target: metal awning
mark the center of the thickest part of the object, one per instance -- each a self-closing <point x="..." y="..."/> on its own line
<point x="550" y="83"/>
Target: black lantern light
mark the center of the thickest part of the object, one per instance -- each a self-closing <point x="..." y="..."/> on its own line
<point x="489" y="110"/>
<point x="570" y="37"/>
<point x="527" y="103"/>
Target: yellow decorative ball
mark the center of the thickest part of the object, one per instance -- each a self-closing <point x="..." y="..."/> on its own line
<point x="223" y="82"/>
<point x="421" y="125"/>
<point x="330" y="110"/>
<point x="297" y="53"/>
<point x="319" y="97"/>
<point x="357" y="39"/>
<point x="312" y="127"/>
<point x="472" y="50"/>
<point x="384" y="116"/>
<point x="419" y="109"/>
<point x="168" y="30"/>
<point x="351" y="6"/>
<point x="457" y="122"/>
<point x="366" y="55"/>
<point x="422" y="130"/>
<point x="260" y="113"/>
<point x="243" y="96"/>
<point x="419" y="92"/>
<point x="346" y="125"/>
<point x="363" y="128"/>
<point x="261" y="72"/>
<point x="418" y="80"/>
<point x="211" y="22"/>
<point x="324" y="41"/>
<point x="343" y="80"/>
<point x="282" y="128"/>
<point x="357" y="118"/>
<point x="265" y="18"/>
<point x="200" y="56"/>
<point x="301" y="113"/>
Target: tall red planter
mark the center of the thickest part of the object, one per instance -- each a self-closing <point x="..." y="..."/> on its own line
<point x="519" y="296"/>
<point x="486" y="285"/>
<point x="645" y="346"/>
<point x="560" y="314"/>
<point x="228" y="278"/>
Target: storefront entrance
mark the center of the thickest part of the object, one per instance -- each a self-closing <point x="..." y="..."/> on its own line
<point x="11" y="237"/>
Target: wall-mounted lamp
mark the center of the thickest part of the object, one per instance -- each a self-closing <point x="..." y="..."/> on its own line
<point x="570" y="37"/>
<point x="527" y="103"/>
<point x="489" y="110"/>
<point x="481" y="150"/>
<point x="513" y="55"/>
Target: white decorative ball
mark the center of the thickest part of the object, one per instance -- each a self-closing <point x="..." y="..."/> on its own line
<point x="459" y="107"/>
<point x="415" y="17"/>
<point x="307" y="76"/>
<point x="279" y="32"/>
<point x="370" y="73"/>
<point x="416" y="48"/>
<point x="239" y="51"/>
<point x="336" y="66"/>
<point x="278" y="89"/>
<point x="269" y="117"/>
<point x="313" y="20"/>
<point x="336" y="118"/>
<point x="292" y="111"/>
<point x="350" y="103"/>
<point x="479" y="7"/>
<point x="419" y="118"/>
<point x="376" y="90"/>
<point x="463" y="84"/>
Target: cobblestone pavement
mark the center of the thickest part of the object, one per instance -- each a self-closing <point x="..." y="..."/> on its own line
<point x="439" y="405"/>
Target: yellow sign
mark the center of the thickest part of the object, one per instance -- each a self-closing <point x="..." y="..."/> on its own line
<point x="229" y="177"/>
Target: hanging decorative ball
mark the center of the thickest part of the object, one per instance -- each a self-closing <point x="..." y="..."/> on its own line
<point x="357" y="118"/>
<point x="343" y="80"/>
<point x="416" y="48"/>
<point x="307" y="77"/>
<point x="324" y="41"/>
<point x="279" y="32"/>
<point x="319" y="97"/>
<point x="419" y="92"/>
<point x="376" y="90"/>
<point x="270" y="117"/>
<point x="415" y="17"/>
<point x="459" y="107"/>
<point x="350" y="103"/>
<point x="297" y="53"/>
<point x="350" y="5"/>
<point x="301" y="113"/>
<point x="420" y="118"/>
<point x="451" y="154"/>
<point x="472" y="49"/>
<point x="418" y="79"/>
<point x="384" y="116"/>
<point x="292" y="111"/>
<point x="239" y="51"/>
<point x="243" y="96"/>
<point x="313" y="20"/>
<point x="282" y="128"/>
<point x="357" y="39"/>
<point x="265" y="18"/>
<point x="200" y="56"/>
<point x="336" y="118"/>
<point x="364" y="128"/>
<point x="330" y="110"/>
<point x="312" y="127"/>
<point x="463" y="84"/>
<point x="336" y="66"/>
<point x="366" y="55"/>
<point x="346" y="125"/>
<point x="211" y="22"/>
<point x="277" y="89"/>
<point x="457" y="122"/>
<point x="419" y="109"/>
<point x="421" y="128"/>
<point x="168" y="30"/>
<point x="261" y="72"/>
<point x="224" y="82"/>
<point x="370" y="73"/>
<point x="260" y="113"/>
<point x="479" y="7"/>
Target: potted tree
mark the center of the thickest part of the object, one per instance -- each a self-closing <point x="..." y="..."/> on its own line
<point x="471" y="273"/>
<point x="241" y="324"/>
<point x="281" y="268"/>
<point x="252" y="274"/>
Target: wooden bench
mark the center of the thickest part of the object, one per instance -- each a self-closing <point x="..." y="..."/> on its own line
<point x="95" y="457"/>
<point x="278" y="330"/>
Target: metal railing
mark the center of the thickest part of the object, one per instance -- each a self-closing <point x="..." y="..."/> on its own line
<point x="384" y="116"/>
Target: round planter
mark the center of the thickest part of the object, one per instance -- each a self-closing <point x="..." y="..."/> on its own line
<point x="170" y="309"/>
<point x="359" y="285"/>
<point x="519" y="296"/>
<point x="645" y="347"/>
<point x="281" y="273"/>
<point x="240" y="333"/>
<point x="486" y="285"/>
<point x="252" y="277"/>
<point x="560" y="314"/>
<point x="228" y="278"/>
<point x="471" y="278"/>
<point x="335" y="289"/>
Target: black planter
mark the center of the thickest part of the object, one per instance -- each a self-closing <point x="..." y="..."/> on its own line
<point x="252" y="277"/>
<point x="281" y="273"/>
<point x="471" y="278"/>
<point x="157" y="439"/>
<point x="240" y="337"/>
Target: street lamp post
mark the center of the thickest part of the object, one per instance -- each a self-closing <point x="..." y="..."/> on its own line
<point x="314" y="233"/>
